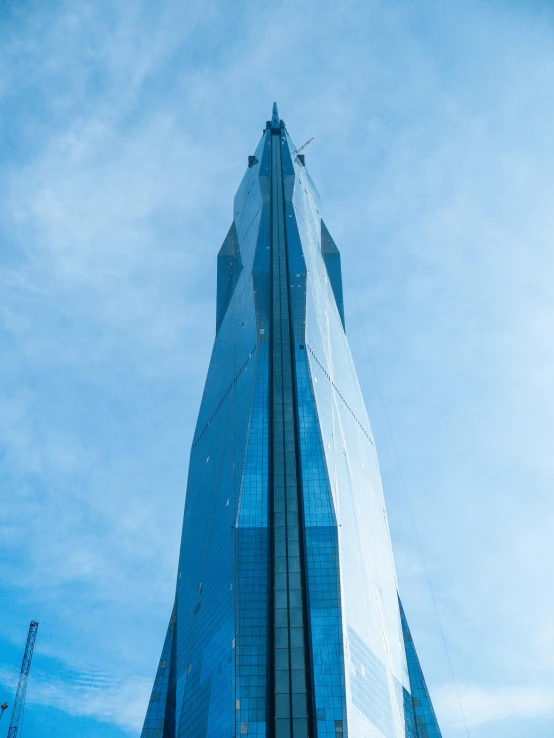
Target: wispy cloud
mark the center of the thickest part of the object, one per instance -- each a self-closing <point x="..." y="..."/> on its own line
<point x="126" y="130"/>
<point x="92" y="694"/>
<point x="483" y="705"/>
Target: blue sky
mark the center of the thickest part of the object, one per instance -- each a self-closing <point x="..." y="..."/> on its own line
<point x="125" y="132"/>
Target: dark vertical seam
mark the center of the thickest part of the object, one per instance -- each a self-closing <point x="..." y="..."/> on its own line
<point x="270" y="697"/>
<point x="308" y="660"/>
<point x="270" y="641"/>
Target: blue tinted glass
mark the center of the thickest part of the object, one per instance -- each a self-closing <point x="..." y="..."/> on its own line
<point x="286" y="621"/>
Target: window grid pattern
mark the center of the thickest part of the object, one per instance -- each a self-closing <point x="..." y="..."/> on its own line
<point x="205" y="599"/>
<point x="251" y="567"/>
<point x="229" y="267"/>
<point x="206" y="607"/>
<point x="368" y="584"/>
<point x="320" y="525"/>
<point x="252" y="532"/>
<point x="154" y="722"/>
<point x="285" y="626"/>
<point x="425" y="718"/>
<point x="405" y="699"/>
<point x="331" y="257"/>
<point x="290" y="688"/>
<point x="206" y="603"/>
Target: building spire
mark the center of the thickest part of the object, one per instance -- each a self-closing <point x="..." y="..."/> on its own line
<point x="275" y="121"/>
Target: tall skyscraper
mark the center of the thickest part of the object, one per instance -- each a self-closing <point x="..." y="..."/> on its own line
<point x="287" y="621"/>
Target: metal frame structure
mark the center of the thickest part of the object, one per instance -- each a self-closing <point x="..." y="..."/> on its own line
<point x="19" y="702"/>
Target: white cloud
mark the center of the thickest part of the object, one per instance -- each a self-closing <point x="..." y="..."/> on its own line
<point x="92" y="694"/>
<point x="485" y="704"/>
<point x="433" y="153"/>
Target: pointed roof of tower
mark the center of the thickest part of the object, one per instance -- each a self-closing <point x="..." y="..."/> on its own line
<point x="275" y="120"/>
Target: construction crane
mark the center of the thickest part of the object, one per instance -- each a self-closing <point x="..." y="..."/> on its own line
<point x="308" y="142"/>
<point x="19" y="701"/>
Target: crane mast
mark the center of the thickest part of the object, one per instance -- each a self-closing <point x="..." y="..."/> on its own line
<point x="19" y="701"/>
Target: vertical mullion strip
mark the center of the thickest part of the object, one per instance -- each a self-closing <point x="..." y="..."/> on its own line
<point x="281" y="655"/>
<point x="289" y="645"/>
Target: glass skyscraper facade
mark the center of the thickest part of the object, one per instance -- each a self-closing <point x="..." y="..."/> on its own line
<point x="287" y="621"/>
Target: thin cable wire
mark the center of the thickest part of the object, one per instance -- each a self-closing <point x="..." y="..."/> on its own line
<point x="410" y="508"/>
<point x="403" y="481"/>
<point x="335" y="411"/>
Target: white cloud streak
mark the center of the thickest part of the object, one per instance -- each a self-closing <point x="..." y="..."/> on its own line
<point x="92" y="694"/>
<point x="483" y="705"/>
